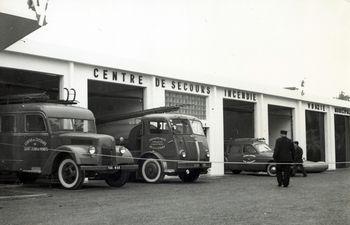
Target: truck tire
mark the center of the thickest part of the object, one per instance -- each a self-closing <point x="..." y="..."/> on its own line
<point x="152" y="170"/>
<point x="70" y="175"/>
<point x="117" y="179"/>
<point x="190" y="176"/>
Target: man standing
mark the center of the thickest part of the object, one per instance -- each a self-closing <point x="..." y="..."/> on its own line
<point x="283" y="156"/>
<point x="298" y="160"/>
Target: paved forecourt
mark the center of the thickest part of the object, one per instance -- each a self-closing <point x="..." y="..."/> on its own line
<point x="247" y="198"/>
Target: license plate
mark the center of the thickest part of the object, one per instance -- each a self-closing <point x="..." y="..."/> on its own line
<point x="114" y="167"/>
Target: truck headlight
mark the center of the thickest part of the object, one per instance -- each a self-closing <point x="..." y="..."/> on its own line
<point x="208" y="153"/>
<point x="92" y="150"/>
<point x="183" y="153"/>
<point x="122" y="150"/>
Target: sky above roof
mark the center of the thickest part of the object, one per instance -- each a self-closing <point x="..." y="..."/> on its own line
<point x="267" y="42"/>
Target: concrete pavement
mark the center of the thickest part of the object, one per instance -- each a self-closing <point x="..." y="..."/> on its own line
<point x="232" y="199"/>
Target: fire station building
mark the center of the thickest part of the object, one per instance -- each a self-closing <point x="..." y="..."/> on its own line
<point x="233" y="110"/>
<point x="322" y="126"/>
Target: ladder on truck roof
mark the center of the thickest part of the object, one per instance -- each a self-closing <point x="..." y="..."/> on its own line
<point x="116" y="117"/>
<point x="36" y="98"/>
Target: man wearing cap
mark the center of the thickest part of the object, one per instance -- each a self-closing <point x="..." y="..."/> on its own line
<point x="283" y="155"/>
<point x="298" y="160"/>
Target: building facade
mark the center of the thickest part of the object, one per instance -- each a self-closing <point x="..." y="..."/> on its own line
<point x="320" y="125"/>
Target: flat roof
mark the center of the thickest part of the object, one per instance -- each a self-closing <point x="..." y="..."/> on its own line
<point x="50" y="109"/>
<point x="67" y="54"/>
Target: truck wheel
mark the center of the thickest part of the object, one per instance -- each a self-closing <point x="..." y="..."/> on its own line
<point x="236" y="171"/>
<point x="70" y="175"/>
<point x="189" y="176"/>
<point x="152" y="171"/>
<point x="27" y="178"/>
<point x="271" y="170"/>
<point x="117" y="179"/>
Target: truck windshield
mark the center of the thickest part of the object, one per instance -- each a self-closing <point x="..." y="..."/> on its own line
<point x="185" y="126"/>
<point x="72" y="125"/>
<point x="197" y="127"/>
<point x="262" y="147"/>
<point x="181" y="126"/>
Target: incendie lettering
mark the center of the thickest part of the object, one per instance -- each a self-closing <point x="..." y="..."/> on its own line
<point x="240" y="95"/>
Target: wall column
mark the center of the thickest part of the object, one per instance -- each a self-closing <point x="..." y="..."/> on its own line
<point x="77" y="80"/>
<point x="153" y="96"/>
<point x="261" y="119"/>
<point x="300" y="127"/>
<point x="65" y="81"/>
<point x="216" y="131"/>
<point x="330" y="139"/>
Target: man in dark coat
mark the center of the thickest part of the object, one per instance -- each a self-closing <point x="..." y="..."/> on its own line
<point x="283" y="156"/>
<point x="298" y="160"/>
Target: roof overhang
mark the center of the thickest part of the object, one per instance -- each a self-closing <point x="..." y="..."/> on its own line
<point x="14" y="28"/>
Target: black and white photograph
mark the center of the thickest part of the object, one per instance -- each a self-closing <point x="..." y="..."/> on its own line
<point x="153" y="112"/>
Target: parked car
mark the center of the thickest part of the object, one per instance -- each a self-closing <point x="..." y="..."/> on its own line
<point x="249" y="154"/>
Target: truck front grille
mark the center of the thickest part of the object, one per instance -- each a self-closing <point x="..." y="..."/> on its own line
<point x="191" y="151"/>
<point x="107" y="156"/>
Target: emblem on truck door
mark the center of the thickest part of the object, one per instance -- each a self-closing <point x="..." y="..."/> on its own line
<point x="35" y="145"/>
<point x="157" y="143"/>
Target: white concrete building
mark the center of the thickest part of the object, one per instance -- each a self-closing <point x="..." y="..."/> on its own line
<point x="228" y="110"/>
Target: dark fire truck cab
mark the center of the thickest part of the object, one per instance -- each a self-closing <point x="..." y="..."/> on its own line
<point x="169" y="144"/>
<point x="40" y="137"/>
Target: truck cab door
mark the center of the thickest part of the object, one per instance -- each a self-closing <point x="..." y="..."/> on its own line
<point x="36" y="142"/>
<point x="158" y="137"/>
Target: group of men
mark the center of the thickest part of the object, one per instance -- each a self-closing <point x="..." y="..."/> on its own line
<point x="286" y="154"/>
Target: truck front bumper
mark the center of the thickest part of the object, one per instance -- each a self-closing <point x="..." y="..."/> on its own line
<point x="128" y="167"/>
<point x="193" y="165"/>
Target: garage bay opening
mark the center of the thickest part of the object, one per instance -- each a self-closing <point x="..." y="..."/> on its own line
<point x="315" y="142"/>
<point x="342" y="140"/>
<point x="105" y="98"/>
<point x="238" y="120"/>
<point x="280" y="118"/>
<point x="15" y="81"/>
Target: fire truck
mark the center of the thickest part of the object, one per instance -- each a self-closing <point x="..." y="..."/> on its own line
<point x="53" y="138"/>
<point x="165" y="144"/>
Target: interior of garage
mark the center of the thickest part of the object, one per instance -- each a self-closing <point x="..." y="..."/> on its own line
<point x="14" y="81"/>
<point x="342" y="140"/>
<point x="238" y="120"/>
<point x="315" y="136"/>
<point x="280" y="118"/>
<point x="106" y="98"/>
